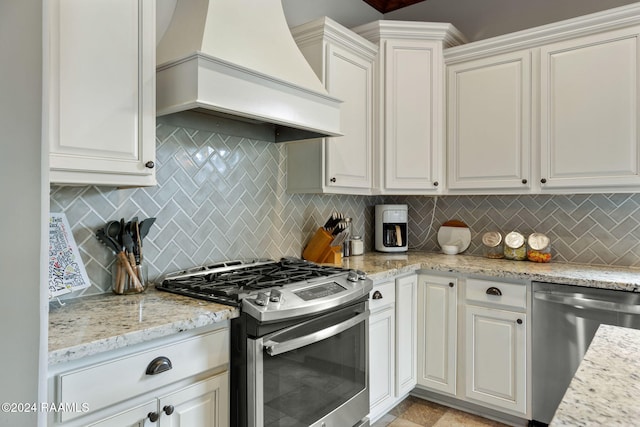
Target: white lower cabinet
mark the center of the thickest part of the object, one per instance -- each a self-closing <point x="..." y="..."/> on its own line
<point x="202" y="404"/>
<point x="134" y="417"/>
<point x="473" y="337"/>
<point x="406" y="334"/>
<point x="174" y="383"/>
<point x="496" y="357"/>
<point x="381" y="348"/>
<point x="437" y="336"/>
<point x="392" y="343"/>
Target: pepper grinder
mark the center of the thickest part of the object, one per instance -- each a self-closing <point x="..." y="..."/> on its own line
<point x="346" y="244"/>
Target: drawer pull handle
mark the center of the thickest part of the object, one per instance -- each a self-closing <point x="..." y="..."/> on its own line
<point x="153" y="416"/>
<point x="451" y="284"/>
<point x="519" y="321"/>
<point x="377" y="295"/>
<point x="159" y="365"/>
<point x="494" y="291"/>
<point x="168" y="409"/>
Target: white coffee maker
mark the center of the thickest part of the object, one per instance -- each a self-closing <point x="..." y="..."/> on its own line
<point x="391" y="228"/>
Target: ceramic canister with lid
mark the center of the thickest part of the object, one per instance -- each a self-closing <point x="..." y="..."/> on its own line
<point x="493" y="244"/>
<point x="538" y="248"/>
<point x="515" y="247"/>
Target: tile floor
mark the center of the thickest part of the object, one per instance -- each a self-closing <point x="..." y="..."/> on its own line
<point x="415" y="412"/>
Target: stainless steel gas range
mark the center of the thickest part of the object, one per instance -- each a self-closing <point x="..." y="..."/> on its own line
<point x="299" y="351"/>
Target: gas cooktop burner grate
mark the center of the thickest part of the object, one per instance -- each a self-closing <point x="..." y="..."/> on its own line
<point x="228" y="282"/>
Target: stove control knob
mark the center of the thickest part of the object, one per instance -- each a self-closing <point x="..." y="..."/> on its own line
<point x="355" y="275"/>
<point x="275" y="295"/>
<point x="262" y="299"/>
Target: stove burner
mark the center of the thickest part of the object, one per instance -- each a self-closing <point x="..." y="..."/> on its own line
<point x="229" y="282"/>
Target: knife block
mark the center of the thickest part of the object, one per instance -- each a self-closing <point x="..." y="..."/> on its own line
<point x="319" y="248"/>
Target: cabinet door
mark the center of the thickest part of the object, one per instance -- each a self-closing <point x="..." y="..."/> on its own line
<point x="350" y="78"/>
<point x="495" y="342"/>
<point x="381" y="359"/>
<point x="413" y="115"/>
<point x="205" y="404"/>
<point x="437" y="333"/>
<point x="134" y="417"/>
<point x="489" y="123"/>
<point x="102" y="92"/>
<point x="406" y="333"/>
<point x="589" y="111"/>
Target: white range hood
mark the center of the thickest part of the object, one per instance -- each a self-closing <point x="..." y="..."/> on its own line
<point x="237" y="59"/>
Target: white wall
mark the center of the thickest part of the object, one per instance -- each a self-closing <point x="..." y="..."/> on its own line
<point x="476" y="19"/>
<point x="23" y="318"/>
<point x="480" y="19"/>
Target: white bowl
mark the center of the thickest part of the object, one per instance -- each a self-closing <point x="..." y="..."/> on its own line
<point x="450" y="249"/>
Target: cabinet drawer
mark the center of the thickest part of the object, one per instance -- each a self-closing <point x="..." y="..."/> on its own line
<point x="497" y="293"/>
<point x="382" y="295"/>
<point x="114" y="381"/>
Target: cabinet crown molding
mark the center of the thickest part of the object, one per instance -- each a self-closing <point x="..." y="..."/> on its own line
<point x="437" y="31"/>
<point x="328" y="29"/>
<point x="611" y="19"/>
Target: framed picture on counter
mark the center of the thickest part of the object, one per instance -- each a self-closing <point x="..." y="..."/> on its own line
<point x="66" y="269"/>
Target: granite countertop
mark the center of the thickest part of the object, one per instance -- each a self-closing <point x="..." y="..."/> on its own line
<point x="604" y="390"/>
<point x="380" y="266"/>
<point x="91" y="325"/>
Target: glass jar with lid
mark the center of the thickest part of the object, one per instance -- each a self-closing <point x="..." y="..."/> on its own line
<point x="357" y="245"/>
<point x="538" y="248"/>
<point x="515" y="246"/>
<point x="493" y="245"/>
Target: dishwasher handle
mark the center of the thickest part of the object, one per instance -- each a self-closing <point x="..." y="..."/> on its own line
<point x="580" y="302"/>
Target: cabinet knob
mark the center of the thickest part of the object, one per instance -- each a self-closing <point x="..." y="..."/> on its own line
<point x="543" y="180"/>
<point x="150" y="164"/>
<point x="451" y="284"/>
<point x="435" y="184"/>
<point x="168" y="409"/>
<point x="153" y="416"/>
<point x="333" y="179"/>
<point x="377" y="295"/>
<point x="519" y="321"/>
<point x="159" y="365"/>
<point x="524" y="181"/>
<point x="494" y="291"/>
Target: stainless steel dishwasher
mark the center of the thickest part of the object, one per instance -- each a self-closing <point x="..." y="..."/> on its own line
<point x="565" y="319"/>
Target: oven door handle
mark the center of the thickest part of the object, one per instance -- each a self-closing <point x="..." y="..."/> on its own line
<point x="273" y="347"/>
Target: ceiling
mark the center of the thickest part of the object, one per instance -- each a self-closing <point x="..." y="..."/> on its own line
<point x="384" y="6"/>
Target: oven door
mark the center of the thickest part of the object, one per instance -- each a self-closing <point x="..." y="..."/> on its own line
<point x="312" y="374"/>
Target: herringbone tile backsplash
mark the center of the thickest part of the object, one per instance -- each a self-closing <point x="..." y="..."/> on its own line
<point x="223" y="197"/>
<point x="586" y="229"/>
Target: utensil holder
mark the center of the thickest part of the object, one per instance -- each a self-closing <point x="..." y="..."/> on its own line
<point x="128" y="277"/>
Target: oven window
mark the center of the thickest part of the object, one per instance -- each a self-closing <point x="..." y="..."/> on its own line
<point x="303" y="385"/>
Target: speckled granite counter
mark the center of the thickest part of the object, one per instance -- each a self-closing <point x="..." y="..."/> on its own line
<point x="604" y="390"/>
<point x="380" y="266"/>
<point x="87" y="326"/>
<point x="95" y="324"/>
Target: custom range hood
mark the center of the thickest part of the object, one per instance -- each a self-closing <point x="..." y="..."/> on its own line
<point x="237" y="59"/>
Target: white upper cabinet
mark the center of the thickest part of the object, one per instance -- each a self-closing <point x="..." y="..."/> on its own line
<point x="489" y="123"/>
<point x="589" y="111"/>
<point x="552" y="109"/>
<point x="408" y="155"/>
<point x="101" y="78"/>
<point x="344" y="63"/>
